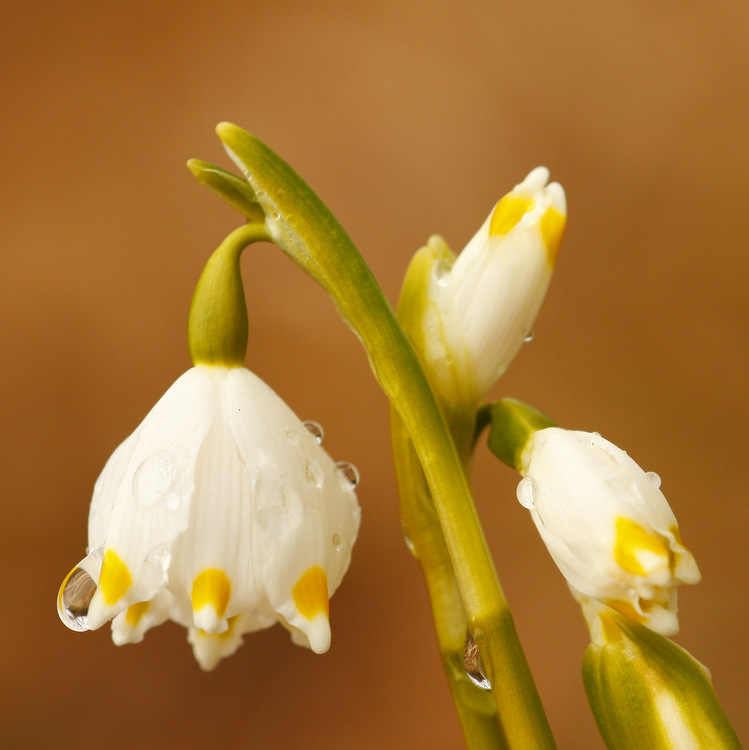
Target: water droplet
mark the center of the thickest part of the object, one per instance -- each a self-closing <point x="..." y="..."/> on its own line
<point x="154" y="478"/>
<point x="314" y="473"/>
<point x="315" y="430"/>
<point x="260" y="193"/>
<point x="527" y="492"/>
<point x="278" y="509"/>
<point x="474" y="664"/>
<point x="292" y="435"/>
<point x="441" y="273"/>
<point x="172" y="501"/>
<point x="339" y="542"/>
<point x="409" y="542"/>
<point x="77" y="591"/>
<point x="529" y="335"/>
<point x="654" y="479"/>
<point x="348" y="474"/>
<point x="275" y="215"/>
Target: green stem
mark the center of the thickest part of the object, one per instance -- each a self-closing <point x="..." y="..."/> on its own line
<point x="476" y="708"/>
<point x="217" y="327"/>
<point x="301" y="225"/>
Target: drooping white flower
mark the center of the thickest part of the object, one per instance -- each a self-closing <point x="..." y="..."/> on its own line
<point x="221" y="512"/>
<point x="469" y="315"/>
<point x="606" y="524"/>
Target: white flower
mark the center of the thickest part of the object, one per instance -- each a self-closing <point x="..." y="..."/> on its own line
<point x="606" y="524"/>
<point x="221" y="512"/>
<point x="478" y="310"/>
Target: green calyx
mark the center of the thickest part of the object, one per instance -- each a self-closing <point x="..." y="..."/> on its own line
<point x="511" y="423"/>
<point x="647" y="692"/>
<point x="217" y="327"/>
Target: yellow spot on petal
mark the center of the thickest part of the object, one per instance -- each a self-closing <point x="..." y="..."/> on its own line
<point x="509" y="211"/>
<point x="310" y="593"/>
<point x="212" y="586"/>
<point x="634" y="545"/>
<point x="135" y="612"/>
<point x="552" y="228"/>
<point x="115" y="578"/>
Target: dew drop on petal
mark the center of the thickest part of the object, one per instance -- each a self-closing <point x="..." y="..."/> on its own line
<point x="653" y="478"/>
<point x="527" y="492"/>
<point x="154" y="478"/>
<point x="474" y="665"/>
<point x="348" y="474"/>
<point x="529" y="335"/>
<point x="172" y="501"/>
<point x="77" y="591"/>
<point x="339" y="542"/>
<point x="315" y="430"/>
<point x="292" y="435"/>
<point x="314" y="473"/>
<point x="278" y="509"/>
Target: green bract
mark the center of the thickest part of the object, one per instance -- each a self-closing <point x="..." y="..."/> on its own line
<point x="512" y="423"/>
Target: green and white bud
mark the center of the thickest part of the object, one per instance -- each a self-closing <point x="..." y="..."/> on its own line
<point x="468" y="315"/>
<point x="647" y="692"/>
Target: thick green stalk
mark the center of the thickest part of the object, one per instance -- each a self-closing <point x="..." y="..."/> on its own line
<point x="301" y="225"/>
<point x="476" y="708"/>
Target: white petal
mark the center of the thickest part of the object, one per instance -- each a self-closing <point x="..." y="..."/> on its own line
<point x="304" y="515"/>
<point x="150" y="482"/>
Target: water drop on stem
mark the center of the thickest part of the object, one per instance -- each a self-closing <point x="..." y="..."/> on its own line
<point x="474" y="664"/>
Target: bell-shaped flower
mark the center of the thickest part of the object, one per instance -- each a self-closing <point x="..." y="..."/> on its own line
<point x="647" y="692"/>
<point x="221" y="512"/>
<point x="606" y="524"/>
<point x="468" y="316"/>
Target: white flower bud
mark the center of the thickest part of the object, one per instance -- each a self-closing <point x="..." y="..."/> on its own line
<point x="469" y="317"/>
<point x="606" y="524"/>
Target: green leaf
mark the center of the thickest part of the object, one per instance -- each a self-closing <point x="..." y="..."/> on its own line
<point x="231" y="188"/>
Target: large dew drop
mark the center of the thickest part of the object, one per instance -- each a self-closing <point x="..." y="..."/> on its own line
<point x="77" y="591"/>
<point x="474" y="665"/>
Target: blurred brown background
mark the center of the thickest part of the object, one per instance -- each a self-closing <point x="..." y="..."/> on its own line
<point x="408" y="119"/>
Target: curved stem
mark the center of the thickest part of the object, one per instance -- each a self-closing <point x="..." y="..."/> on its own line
<point x="301" y="225"/>
<point x="217" y="327"/>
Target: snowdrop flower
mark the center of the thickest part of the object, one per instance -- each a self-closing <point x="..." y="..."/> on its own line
<point x="222" y="511"/>
<point x="606" y="524"/>
<point x="468" y="316"/>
